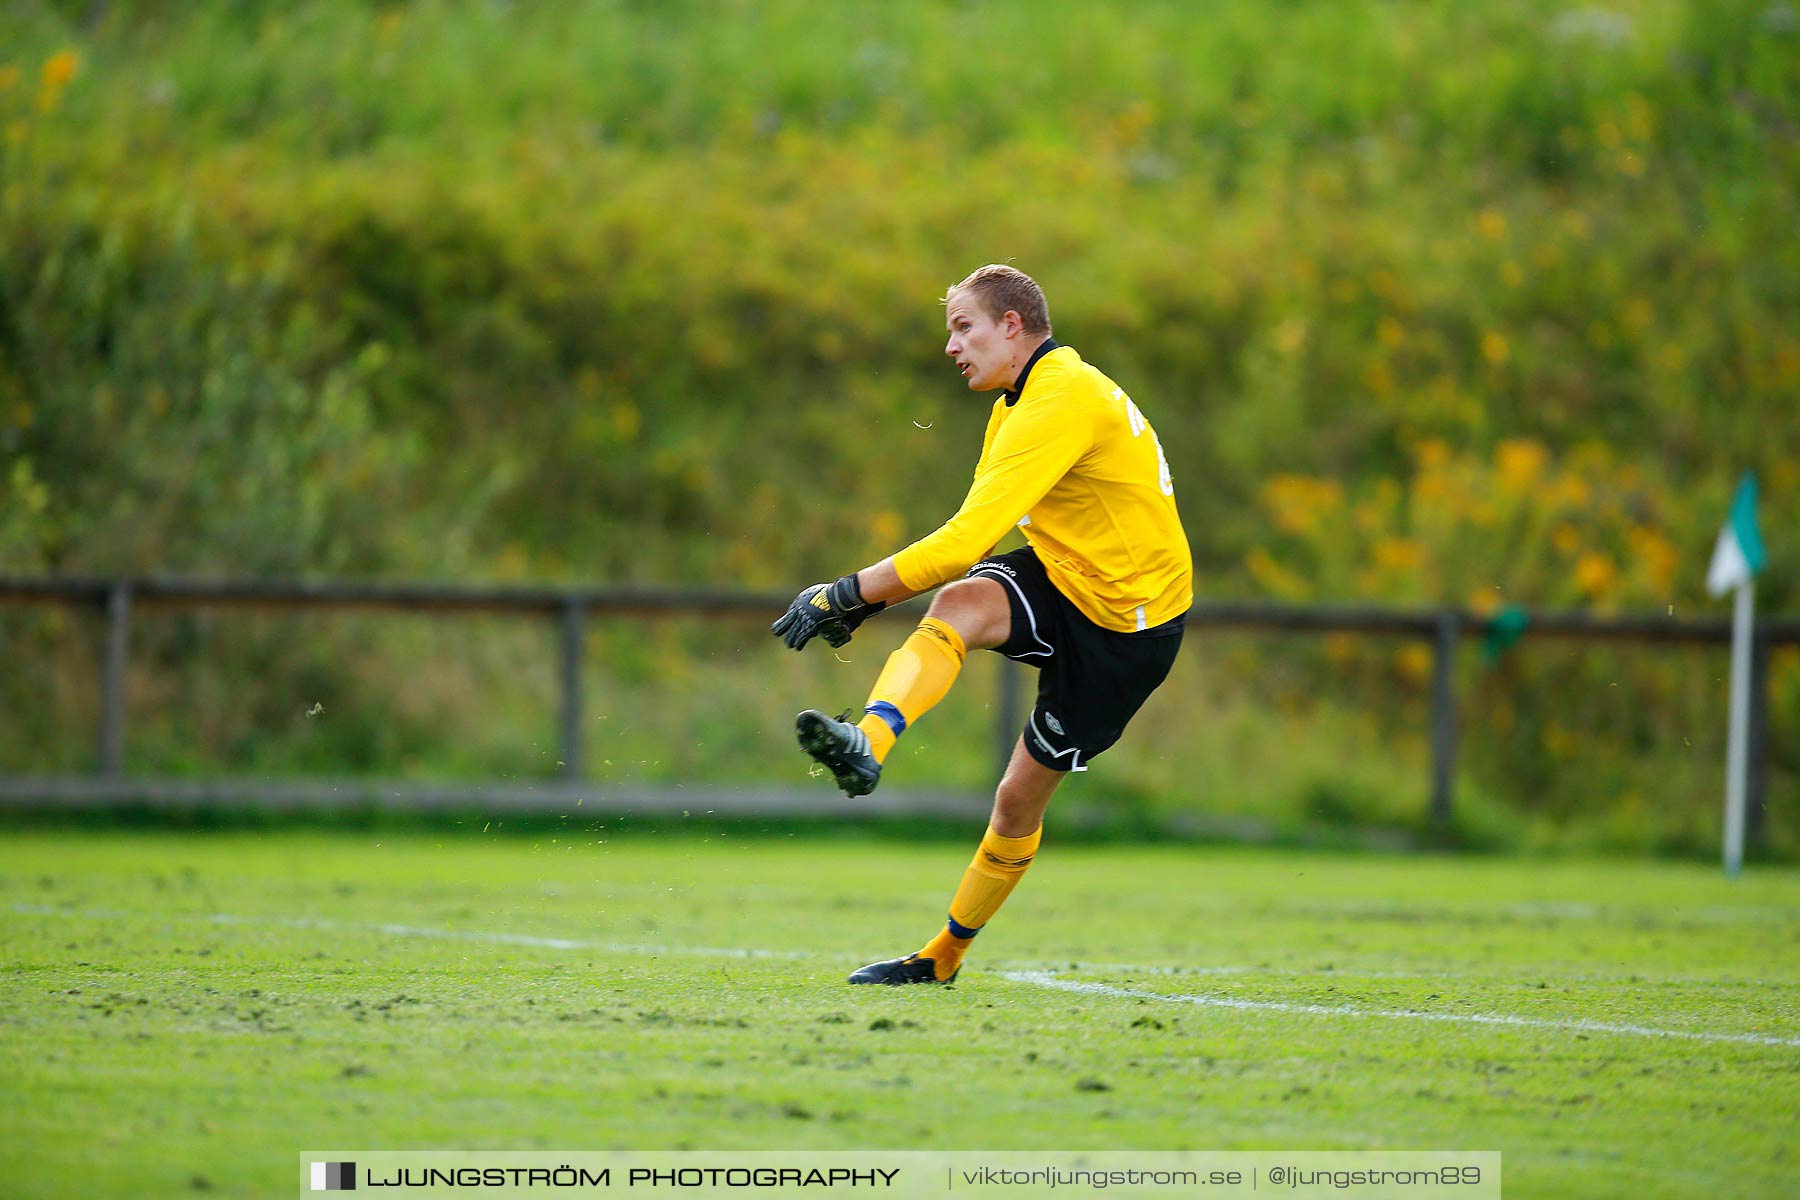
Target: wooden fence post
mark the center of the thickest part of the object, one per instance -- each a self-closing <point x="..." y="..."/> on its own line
<point x="112" y="679"/>
<point x="573" y="634"/>
<point x="1443" y="719"/>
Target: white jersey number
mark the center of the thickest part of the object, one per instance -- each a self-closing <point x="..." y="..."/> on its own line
<point x="1163" y="479"/>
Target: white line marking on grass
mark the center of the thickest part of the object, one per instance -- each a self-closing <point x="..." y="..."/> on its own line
<point x="1351" y="972"/>
<point x="1049" y="980"/>
<point x="1074" y="964"/>
<point x="1544" y="910"/>
<point x="508" y="939"/>
<point x="415" y="931"/>
<point x="1037" y="978"/>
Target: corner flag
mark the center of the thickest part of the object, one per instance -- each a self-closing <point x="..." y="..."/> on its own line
<point x="1736" y="560"/>
<point x="1739" y="553"/>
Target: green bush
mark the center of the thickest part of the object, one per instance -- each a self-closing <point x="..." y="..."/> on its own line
<point x="647" y="292"/>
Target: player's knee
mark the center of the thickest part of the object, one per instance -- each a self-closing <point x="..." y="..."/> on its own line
<point x="1023" y="795"/>
<point x="977" y="609"/>
<point x="1016" y="815"/>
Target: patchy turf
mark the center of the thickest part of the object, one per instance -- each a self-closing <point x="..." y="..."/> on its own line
<point x="184" y="1013"/>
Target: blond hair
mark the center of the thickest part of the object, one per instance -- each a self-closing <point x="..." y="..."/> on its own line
<point x="998" y="289"/>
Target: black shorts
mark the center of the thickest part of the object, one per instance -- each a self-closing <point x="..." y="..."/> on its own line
<point x="1091" y="681"/>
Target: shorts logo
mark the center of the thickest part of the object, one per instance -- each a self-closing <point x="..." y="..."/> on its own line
<point x="1054" y="724"/>
<point x="334" y="1177"/>
<point x="993" y="564"/>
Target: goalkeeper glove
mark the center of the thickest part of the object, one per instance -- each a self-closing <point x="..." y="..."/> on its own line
<point x="829" y="610"/>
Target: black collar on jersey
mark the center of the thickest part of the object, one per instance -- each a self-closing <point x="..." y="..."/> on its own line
<point x="1018" y="389"/>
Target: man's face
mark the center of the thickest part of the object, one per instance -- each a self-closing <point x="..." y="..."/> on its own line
<point x="983" y="347"/>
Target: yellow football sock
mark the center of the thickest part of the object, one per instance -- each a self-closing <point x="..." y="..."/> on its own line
<point x="992" y="874"/>
<point x="916" y="676"/>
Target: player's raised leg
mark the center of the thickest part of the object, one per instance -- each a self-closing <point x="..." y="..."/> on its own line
<point x="1006" y="851"/>
<point x="972" y="614"/>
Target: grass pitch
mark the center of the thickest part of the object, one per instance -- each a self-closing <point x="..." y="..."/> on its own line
<point x="185" y="1012"/>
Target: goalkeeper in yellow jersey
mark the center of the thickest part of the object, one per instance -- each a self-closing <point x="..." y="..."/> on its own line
<point x="1097" y="601"/>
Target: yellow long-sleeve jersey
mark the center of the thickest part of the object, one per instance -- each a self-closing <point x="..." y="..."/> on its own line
<point x="1074" y="463"/>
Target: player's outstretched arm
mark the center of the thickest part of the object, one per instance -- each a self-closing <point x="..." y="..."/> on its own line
<point x="834" y="610"/>
<point x="828" y="610"/>
<point x="881" y="583"/>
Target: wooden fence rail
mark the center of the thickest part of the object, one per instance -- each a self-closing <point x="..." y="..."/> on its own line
<point x="117" y="599"/>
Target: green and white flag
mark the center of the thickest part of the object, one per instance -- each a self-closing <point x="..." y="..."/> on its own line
<point x="1739" y="554"/>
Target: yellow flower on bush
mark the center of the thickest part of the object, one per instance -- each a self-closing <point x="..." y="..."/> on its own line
<point x="1566" y="538"/>
<point x="1520" y="462"/>
<point x="1400" y="554"/>
<point x="1296" y="502"/>
<point x="1572" y="491"/>
<point x="1413" y="661"/>
<point x="1432" y="453"/>
<point x="1290" y="335"/>
<point x="1434" y="488"/>
<point x="1494" y="348"/>
<point x="1484" y="601"/>
<point x="59" y="69"/>
<point x="1657" y="553"/>
<point x="886" y="526"/>
<point x="9" y="77"/>
<point x="1595" y="575"/>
